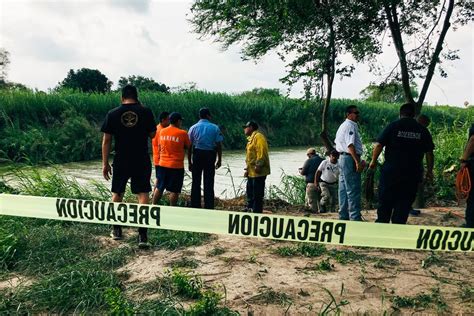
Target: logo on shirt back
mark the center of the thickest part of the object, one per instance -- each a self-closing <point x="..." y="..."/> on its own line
<point x="129" y="119"/>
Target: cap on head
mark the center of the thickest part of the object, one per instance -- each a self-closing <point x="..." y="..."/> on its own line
<point x="175" y="117"/>
<point x="311" y="151"/>
<point x="252" y="124"/>
<point x="204" y="113"/>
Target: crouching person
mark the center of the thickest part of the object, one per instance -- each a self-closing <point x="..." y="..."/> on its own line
<point x="326" y="179"/>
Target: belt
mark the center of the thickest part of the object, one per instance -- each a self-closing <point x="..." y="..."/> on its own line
<point x="329" y="182"/>
<point x="347" y="154"/>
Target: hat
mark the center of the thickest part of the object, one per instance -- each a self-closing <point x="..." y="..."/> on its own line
<point x="251" y="124"/>
<point x="311" y="151"/>
<point x="174" y="117"/>
<point x="204" y="112"/>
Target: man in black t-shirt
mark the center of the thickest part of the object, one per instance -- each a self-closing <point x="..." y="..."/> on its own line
<point x="130" y="125"/>
<point x="406" y="142"/>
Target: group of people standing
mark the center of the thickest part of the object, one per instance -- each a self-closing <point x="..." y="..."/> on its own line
<point x="131" y="125"/>
<point x="406" y="142"/>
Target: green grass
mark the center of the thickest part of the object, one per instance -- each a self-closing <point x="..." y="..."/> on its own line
<point x="421" y="300"/>
<point x="71" y="271"/>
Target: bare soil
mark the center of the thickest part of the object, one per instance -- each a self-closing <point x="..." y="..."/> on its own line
<point x="258" y="281"/>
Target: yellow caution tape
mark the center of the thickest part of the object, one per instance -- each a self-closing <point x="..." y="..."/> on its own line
<point x="291" y="228"/>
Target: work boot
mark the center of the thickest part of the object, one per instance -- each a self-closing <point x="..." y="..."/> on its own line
<point x="143" y="239"/>
<point x="415" y="212"/>
<point x="116" y="233"/>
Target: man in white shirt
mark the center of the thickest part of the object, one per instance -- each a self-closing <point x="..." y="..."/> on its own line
<point x="349" y="145"/>
<point x="326" y="180"/>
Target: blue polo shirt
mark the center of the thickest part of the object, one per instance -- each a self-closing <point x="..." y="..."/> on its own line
<point x="205" y="135"/>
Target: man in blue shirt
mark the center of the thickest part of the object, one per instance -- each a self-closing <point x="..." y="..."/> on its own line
<point x="206" y="145"/>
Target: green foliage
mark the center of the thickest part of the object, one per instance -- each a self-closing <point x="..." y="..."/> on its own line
<point x="292" y="189"/>
<point x="171" y="239"/>
<point x="185" y="284"/>
<point x="185" y="262"/>
<point x="216" y="251"/>
<point x="262" y="93"/>
<point x="388" y="92"/>
<point x="421" y="300"/>
<point x="208" y="304"/>
<point x="346" y="256"/>
<point x="142" y="84"/>
<point x="302" y="249"/>
<point x="117" y="304"/>
<point x="324" y="266"/>
<point x="309" y="36"/>
<point x="86" y="80"/>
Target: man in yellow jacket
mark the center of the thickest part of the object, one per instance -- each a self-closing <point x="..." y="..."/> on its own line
<point x="258" y="166"/>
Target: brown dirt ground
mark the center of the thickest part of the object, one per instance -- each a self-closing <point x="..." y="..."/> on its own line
<point x="257" y="281"/>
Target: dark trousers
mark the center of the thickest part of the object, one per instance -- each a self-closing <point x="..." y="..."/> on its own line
<point x="470" y="200"/>
<point x="203" y="163"/>
<point x="397" y="192"/>
<point x="255" y="193"/>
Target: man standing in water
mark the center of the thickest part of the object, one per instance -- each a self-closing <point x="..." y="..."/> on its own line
<point x="130" y="125"/>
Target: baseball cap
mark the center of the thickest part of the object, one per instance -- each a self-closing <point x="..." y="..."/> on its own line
<point x="251" y="124"/>
<point x="311" y="151"/>
<point x="175" y="116"/>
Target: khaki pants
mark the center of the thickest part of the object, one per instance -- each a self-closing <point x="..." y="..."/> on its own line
<point x="328" y="196"/>
<point x="312" y="197"/>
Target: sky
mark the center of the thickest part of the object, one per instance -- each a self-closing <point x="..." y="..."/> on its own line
<point x="46" y="38"/>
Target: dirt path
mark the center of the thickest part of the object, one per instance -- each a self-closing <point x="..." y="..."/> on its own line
<point x="259" y="281"/>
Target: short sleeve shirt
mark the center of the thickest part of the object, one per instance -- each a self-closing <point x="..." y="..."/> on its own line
<point x="309" y="168"/>
<point x="347" y="134"/>
<point x="406" y="141"/>
<point x="205" y="135"/>
<point x="329" y="171"/>
<point x="173" y="142"/>
<point x="130" y="125"/>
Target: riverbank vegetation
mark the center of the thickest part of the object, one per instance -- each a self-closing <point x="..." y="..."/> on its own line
<point x="58" y="127"/>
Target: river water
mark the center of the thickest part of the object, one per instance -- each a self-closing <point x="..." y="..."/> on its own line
<point x="229" y="180"/>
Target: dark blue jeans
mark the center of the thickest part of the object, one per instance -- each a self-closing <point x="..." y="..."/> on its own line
<point x="255" y="193"/>
<point x="203" y="164"/>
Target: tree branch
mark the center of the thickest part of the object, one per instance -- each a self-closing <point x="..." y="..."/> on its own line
<point x="435" y="57"/>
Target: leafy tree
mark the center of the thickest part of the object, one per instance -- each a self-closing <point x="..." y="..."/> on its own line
<point x="143" y="84"/>
<point x="86" y="80"/>
<point x="4" y="62"/>
<point x="308" y="35"/>
<point x="262" y="92"/>
<point x="186" y="87"/>
<point x="391" y="92"/>
<point x="425" y="23"/>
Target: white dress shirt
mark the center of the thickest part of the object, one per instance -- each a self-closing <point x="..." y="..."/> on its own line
<point x="347" y="134"/>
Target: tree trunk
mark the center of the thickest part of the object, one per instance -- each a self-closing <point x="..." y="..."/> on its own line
<point x="435" y="57"/>
<point x="331" y="71"/>
<point x="394" y="25"/>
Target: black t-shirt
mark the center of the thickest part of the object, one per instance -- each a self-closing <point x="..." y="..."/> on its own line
<point x="406" y="141"/>
<point x="130" y="125"/>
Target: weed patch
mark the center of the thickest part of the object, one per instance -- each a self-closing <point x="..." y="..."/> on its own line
<point x="346" y="256"/>
<point x="421" y="300"/>
<point x="267" y="295"/>
<point x="302" y="249"/>
<point x="216" y="251"/>
<point x="185" y="262"/>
